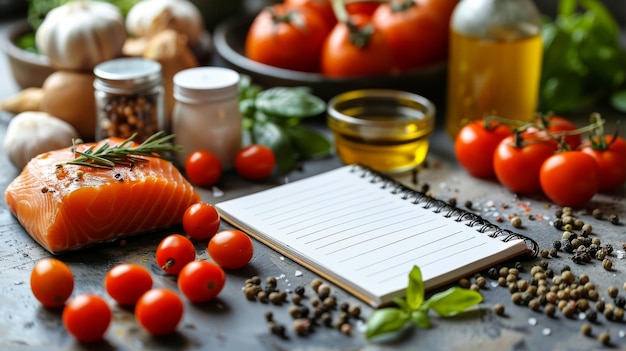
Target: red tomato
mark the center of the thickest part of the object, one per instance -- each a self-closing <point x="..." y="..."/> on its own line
<point x="201" y="221"/>
<point x="174" y="252"/>
<point x="416" y="35"/>
<point x="443" y="8"/>
<point x="126" y="282"/>
<point x="287" y="37"/>
<point x="322" y="7"/>
<point x="51" y="282"/>
<point x="569" y="178"/>
<point x="203" y="168"/>
<point x="356" y="51"/>
<point x="611" y="159"/>
<point x="517" y="167"/>
<point x="201" y="281"/>
<point x="159" y="311"/>
<point x="366" y="8"/>
<point x="87" y="317"/>
<point x="475" y="145"/>
<point x="231" y="249"/>
<point x="255" y="162"/>
<point x="555" y="125"/>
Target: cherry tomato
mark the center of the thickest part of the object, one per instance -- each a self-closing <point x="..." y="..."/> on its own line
<point x="356" y="50"/>
<point x="203" y="168"/>
<point x="517" y="167"/>
<point x="322" y="7"/>
<point x="231" y="248"/>
<point x="87" y="317"/>
<point x="174" y="252"/>
<point x="611" y="159"/>
<point x="201" y="281"/>
<point x="475" y="145"/>
<point x="126" y="282"/>
<point x="366" y="8"/>
<point x="159" y="311"/>
<point x="255" y="162"/>
<point x="570" y="178"/>
<point x="416" y="35"/>
<point x="201" y="221"/>
<point x="287" y="37"/>
<point x="51" y="282"/>
<point x="555" y="125"/>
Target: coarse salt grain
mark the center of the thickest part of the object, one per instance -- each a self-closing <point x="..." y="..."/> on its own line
<point x="298" y="274"/>
<point x="546" y="331"/>
<point x="217" y="192"/>
<point x="532" y="321"/>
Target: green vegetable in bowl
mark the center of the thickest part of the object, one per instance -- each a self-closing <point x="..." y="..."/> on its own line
<point x="583" y="60"/>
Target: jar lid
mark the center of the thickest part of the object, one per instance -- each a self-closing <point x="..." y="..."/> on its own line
<point x="127" y="74"/>
<point x="202" y="84"/>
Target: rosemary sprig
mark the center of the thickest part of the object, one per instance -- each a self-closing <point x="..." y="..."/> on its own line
<point x="107" y="156"/>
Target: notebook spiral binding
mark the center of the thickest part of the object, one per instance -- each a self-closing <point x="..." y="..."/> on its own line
<point x="448" y="210"/>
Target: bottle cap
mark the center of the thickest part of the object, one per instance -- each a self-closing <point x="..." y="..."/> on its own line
<point x="126" y="75"/>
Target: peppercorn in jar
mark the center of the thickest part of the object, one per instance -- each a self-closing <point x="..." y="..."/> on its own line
<point x="129" y="98"/>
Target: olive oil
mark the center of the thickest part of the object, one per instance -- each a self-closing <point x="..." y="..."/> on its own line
<point x="498" y="77"/>
<point x="387" y="130"/>
<point x="393" y="153"/>
<point x="494" y="62"/>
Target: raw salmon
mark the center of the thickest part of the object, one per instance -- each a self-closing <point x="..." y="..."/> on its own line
<point x="68" y="207"/>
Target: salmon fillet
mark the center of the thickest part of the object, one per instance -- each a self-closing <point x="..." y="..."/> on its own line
<point x="70" y="207"/>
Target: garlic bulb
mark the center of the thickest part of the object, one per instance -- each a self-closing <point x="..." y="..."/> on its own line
<point x="148" y="17"/>
<point x="81" y="34"/>
<point x="32" y="133"/>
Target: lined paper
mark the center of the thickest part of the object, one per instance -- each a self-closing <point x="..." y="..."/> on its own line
<point x="362" y="236"/>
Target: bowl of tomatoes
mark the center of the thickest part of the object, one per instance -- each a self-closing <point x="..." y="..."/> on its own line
<point x="230" y="45"/>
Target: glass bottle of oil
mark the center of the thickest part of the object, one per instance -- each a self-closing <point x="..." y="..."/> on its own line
<point x="494" y="62"/>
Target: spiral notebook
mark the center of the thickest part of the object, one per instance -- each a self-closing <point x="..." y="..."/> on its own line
<point x="364" y="232"/>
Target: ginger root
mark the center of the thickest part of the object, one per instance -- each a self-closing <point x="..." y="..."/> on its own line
<point x="28" y="99"/>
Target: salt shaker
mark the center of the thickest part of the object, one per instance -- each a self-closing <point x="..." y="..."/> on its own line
<point x="129" y="98"/>
<point x="494" y="63"/>
<point x="206" y="113"/>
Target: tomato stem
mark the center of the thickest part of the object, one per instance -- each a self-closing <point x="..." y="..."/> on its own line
<point x="169" y="263"/>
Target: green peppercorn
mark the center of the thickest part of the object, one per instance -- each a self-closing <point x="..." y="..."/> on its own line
<point x="498" y="309"/>
<point x="618" y="314"/>
<point x="517" y="298"/>
<point x="354" y="311"/>
<point x="582" y="304"/>
<point x="504" y="272"/>
<point x="567" y="276"/>
<point x="585" y="329"/>
<point x="315" y="284"/>
<point x="474" y="287"/>
<point x="270" y="282"/>
<point x="550" y="310"/>
<point x="534" y="304"/>
<point x="568" y="227"/>
<point x="600" y="306"/>
<point x="607" y="264"/>
<point x="275" y="297"/>
<point x="587" y="228"/>
<point x="597" y="213"/>
<point x="464" y="283"/>
<point x="481" y="282"/>
<point x="262" y="295"/>
<point x="612" y="291"/>
<point x="604" y="338"/>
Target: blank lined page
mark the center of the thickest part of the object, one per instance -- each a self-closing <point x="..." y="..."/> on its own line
<point x="363" y="236"/>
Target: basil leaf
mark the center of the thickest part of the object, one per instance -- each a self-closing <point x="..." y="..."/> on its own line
<point x="308" y="142"/>
<point x="385" y="320"/>
<point x="453" y="301"/>
<point x="401" y="302"/>
<point x="271" y="135"/>
<point x="603" y="16"/>
<point x="415" y="290"/>
<point x="618" y="100"/>
<point x="290" y="102"/>
<point x="420" y="318"/>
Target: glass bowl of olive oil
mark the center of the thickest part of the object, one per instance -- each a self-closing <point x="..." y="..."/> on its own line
<point x="384" y="129"/>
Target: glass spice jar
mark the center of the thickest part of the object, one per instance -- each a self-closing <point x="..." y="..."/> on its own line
<point x="129" y="98"/>
<point x="206" y="113"/>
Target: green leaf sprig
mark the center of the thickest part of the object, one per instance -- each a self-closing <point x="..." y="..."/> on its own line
<point x="583" y="60"/>
<point x="272" y="117"/>
<point x="415" y="308"/>
<point x="107" y="156"/>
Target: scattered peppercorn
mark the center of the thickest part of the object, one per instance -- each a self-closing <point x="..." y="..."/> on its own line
<point x="498" y="309"/>
<point x="607" y="264"/>
<point x="604" y="338"/>
<point x="614" y="219"/>
<point x="516" y="222"/>
<point x="585" y="329"/>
